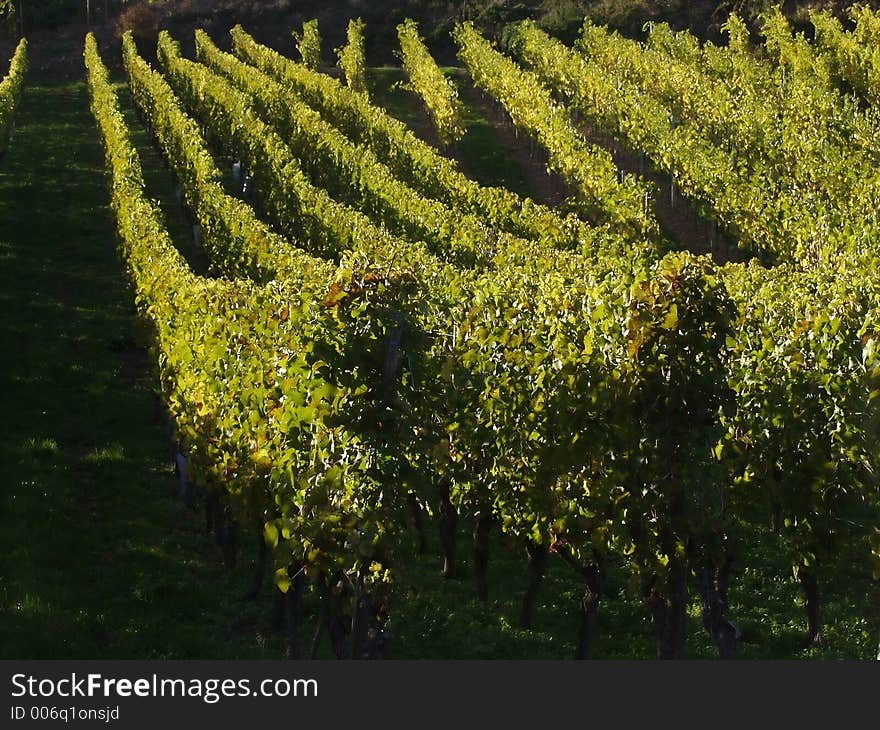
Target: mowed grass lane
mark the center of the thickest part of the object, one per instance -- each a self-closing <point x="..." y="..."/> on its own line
<point x="97" y="556"/>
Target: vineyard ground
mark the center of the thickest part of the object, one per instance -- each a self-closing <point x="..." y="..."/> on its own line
<point x="99" y="559"/>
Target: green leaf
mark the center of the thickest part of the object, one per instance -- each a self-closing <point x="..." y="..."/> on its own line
<point x="282" y="580"/>
<point x="270" y="535"/>
<point x="670" y="321"/>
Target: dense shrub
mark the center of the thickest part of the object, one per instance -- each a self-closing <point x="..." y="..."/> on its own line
<point x="141" y="19"/>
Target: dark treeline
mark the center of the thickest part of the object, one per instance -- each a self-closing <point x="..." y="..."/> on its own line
<point x="272" y="20"/>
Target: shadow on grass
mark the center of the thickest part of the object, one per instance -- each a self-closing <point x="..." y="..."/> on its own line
<point x="97" y="558"/>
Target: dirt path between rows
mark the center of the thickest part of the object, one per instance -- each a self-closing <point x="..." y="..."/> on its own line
<point x="547" y="187"/>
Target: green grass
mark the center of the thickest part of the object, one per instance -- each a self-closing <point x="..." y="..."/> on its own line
<point x="437" y="618"/>
<point x="98" y="557"/>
